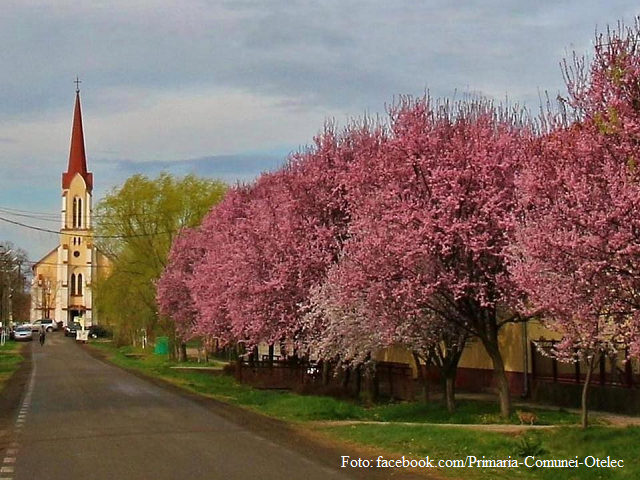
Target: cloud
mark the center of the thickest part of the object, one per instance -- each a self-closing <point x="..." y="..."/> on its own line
<point x="229" y="168"/>
<point x="333" y="53"/>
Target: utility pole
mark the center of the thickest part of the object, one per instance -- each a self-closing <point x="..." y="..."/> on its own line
<point x="5" y="285"/>
<point x="45" y="292"/>
<point x="17" y="268"/>
<point x="10" y="265"/>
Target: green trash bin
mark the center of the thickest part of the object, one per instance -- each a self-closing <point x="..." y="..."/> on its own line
<point x="162" y="346"/>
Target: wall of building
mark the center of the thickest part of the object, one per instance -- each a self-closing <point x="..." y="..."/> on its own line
<point x="475" y="370"/>
<point x="45" y="271"/>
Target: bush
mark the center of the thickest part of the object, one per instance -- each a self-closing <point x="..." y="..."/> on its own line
<point x="529" y="445"/>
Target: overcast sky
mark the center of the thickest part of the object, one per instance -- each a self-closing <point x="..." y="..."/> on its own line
<point x="228" y="88"/>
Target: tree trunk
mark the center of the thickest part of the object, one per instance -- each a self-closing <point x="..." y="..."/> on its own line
<point x="239" y="350"/>
<point x="500" y="375"/>
<point x="585" y="393"/>
<point x="358" y="380"/>
<point x="253" y="357"/>
<point x="345" y="379"/>
<point x="271" y="350"/>
<point x="325" y="372"/>
<point x="183" y="352"/>
<point x="450" y="393"/>
<point x="423" y="377"/>
<point x="373" y="390"/>
<point x="173" y="347"/>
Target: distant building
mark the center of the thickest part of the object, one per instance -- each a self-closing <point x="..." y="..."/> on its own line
<point x="62" y="287"/>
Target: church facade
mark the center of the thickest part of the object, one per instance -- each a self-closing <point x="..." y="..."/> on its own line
<point x="63" y="280"/>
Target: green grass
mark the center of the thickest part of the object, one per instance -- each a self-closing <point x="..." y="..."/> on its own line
<point x="10" y="359"/>
<point x="213" y="362"/>
<point x="446" y="443"/>
<point x="467" y="412"/>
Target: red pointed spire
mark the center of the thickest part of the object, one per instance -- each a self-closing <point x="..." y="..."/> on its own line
<point x="77" y="156"/>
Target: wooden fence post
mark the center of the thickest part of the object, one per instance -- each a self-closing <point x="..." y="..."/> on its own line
<point x="533" y="360"/>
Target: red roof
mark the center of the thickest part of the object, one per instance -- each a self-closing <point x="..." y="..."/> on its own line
<point x="77" y="157"/>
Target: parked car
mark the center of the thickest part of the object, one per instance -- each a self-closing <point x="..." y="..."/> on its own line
<point x="23" y="332"/>
<point x="99" y="331"/>
<point x="47" y="323"/>
<point x="16" y="325"/>
<point x="71" y="329"/>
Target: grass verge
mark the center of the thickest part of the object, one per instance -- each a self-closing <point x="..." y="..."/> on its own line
<point x="10" y="359"/>
<point x="557" y="444"/>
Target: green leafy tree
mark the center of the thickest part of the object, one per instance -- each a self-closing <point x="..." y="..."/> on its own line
<point x="135" y="225"/>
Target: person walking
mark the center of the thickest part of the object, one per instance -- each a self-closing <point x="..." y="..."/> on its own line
<point x="43" y="334"/>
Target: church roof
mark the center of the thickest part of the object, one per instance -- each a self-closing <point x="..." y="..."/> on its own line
<point x="43" y="259"/>
<point x="77" y="156"/>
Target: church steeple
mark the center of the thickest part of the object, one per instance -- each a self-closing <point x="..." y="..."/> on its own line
<point x="77" y="156"/>
<point x="65" y="293"/>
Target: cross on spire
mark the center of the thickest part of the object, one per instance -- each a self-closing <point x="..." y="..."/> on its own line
<point x="77" y="81"/>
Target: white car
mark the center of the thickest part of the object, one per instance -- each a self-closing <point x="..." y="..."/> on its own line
<point x="48" y="324"/>
<point x="23" y="332"/>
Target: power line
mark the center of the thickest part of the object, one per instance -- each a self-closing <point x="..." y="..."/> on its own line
<point x="56" y="216"/>
<point x="29" y="211"/>
<point x="56" y="232"/>
<point x="31" y="263"/>
<point x="35" y="217"/>
<point x="55" y="220"/>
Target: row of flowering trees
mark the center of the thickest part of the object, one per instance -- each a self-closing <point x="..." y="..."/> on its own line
<point x="446" y="222"/>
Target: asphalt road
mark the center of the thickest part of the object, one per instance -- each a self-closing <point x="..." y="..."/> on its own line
<point x="83" y="419"/>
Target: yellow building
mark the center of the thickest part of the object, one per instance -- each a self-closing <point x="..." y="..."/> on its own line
<point x="475" y="370"/>
<point x="62" y="280"/>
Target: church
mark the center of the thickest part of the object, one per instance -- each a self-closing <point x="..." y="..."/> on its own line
<point x="62" y="287"/>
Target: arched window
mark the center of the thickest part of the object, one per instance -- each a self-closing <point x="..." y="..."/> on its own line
<point x="73" y="284"/>
<point x="79" y="213"/>
<point x="75" y="212"/>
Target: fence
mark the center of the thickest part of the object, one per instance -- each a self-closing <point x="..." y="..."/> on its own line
<point x="388" y="379"/>
<point x="611" y="371"/>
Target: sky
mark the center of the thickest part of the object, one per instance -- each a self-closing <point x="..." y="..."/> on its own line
<point x="227" y="89"/>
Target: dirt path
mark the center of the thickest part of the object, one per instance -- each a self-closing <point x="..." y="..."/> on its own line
<point x="496" y="427"/>
<point x="613" y="419"/>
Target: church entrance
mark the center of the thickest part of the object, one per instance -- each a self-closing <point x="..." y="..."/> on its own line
<point x="74" y="316"/>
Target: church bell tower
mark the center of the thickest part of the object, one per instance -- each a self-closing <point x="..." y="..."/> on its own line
<point x="63" y="280"/>
<point x="77" y="252"/>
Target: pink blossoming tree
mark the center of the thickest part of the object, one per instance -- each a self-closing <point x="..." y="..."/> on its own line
<point x="433" y="216"/>
<point x="578" y="248"/>
<point x="272" y="244"/>
<point x="173" y="293"/>
<point x="213" y="276"/>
